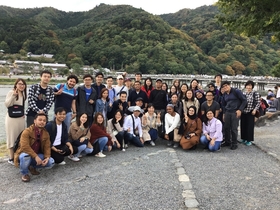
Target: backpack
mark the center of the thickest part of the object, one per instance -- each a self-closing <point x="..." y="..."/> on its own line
<point x="16" y="145"/>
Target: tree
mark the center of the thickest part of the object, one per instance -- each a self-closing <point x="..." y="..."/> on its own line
<point x="251" y="17"/>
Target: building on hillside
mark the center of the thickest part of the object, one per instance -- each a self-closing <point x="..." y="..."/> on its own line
<point x="29" y="54"/>
<point x="54" y="66"/>
<point x="20" y="67"/>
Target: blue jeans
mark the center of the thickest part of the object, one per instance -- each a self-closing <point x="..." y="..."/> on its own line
<point x="67" y="120"/>
<point x="102" y="142"/>
<point x="212" y="148"/>
<point x="25" y="160"/>
<point x="133" y="139"/>
<point x="83" y="149"/>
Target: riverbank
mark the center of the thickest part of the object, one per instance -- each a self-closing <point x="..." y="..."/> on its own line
<point x="30" y="81"/>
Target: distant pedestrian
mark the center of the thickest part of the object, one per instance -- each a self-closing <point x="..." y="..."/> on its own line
<point x="15" y="125"/>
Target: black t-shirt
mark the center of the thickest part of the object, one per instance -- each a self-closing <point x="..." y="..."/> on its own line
<point x="214" y="106"/>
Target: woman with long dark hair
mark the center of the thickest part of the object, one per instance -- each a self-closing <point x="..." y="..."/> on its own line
<point x="182" y="91"/>
<point x="79" y="136"/>
<point x="115" y="129"/>
<point x="102" y="104"/>
<point x="148" y="86"/>
<point x="190" y="100"/>
<point x="15" y="125"/>
<point x="99" y="134"/>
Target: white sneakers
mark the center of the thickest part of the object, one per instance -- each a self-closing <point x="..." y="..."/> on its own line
<point x="72" y="157"/>
<point x="100" y="154"/>
<point x="152" y="143"/>
<point x="62" y="163"/>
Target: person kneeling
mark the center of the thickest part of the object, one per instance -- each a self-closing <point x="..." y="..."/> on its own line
<point x="79" y="136"/>
<point x="212" y="130"/>
<point x="58" y="132"/>
<point x="192" y="129"/>
<point x="133" y="127"/>
<point x="34" y="149"/>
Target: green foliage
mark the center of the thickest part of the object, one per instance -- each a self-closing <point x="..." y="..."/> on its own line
<point x="250" y="17"/>
<point x="226" y="49"/>
<point x="130" y="39"/>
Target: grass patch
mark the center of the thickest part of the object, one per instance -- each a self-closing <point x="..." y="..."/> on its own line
<point x="3" y="149"/>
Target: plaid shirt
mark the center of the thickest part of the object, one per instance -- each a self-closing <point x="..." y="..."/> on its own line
<point x="33" y="94"/>
<point x="253" y="101"/>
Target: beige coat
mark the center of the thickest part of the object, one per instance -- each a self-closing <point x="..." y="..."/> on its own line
<point x="75" y="133"/>
<point x="150" y="123"/>
<point x="110" y="129"/>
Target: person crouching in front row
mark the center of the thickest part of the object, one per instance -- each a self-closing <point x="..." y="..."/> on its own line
<point x="212" y="130"/>
<point x="99" y="135"/>
<point x="58" y="131"/>
<point x="34" y="149"/>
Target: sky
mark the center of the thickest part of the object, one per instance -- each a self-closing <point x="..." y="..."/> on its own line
<point x="156" y="7"/>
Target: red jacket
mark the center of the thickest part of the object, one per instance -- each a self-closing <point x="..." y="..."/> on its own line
<point x="98" y="131"/>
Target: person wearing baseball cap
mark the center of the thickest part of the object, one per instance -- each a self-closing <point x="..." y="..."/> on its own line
<point x="133" y="127"/>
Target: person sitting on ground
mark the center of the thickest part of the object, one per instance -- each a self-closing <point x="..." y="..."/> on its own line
<point x="60" y="145"/>
<point x="119" y="104"/>
<point x="212" y="132"/>
<point x="79" y="136"/>
<point x="172" y="124"/>
<point x="99" y="135"/>
<point x="34" y="149"/>
<point x="133" y="127"/>
<point x="115" y="129"/>
<point x="192" y="129"/>
<point x="150" y="122"/>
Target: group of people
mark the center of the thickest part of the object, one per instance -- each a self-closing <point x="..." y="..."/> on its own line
<point x="95" y="117"/>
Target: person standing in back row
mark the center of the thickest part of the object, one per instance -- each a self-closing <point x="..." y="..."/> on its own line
<point x="158" y="98"/>
<point x="233" y="105"/>
<point x="98" y="86"/>
<point x="40" y="97"/>
<point x="65" y="96"/>
<point x="85" y="101"/>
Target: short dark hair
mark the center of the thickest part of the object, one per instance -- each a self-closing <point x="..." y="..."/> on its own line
<point x="45" y="72"/>
<point x="109" y="77"/>
<point x="87" y="75"/>
<point x="250" y="82"/>
<point x="138" y="73"/>
<point x="225" y="83"/>
<point x="209" y="91"/>
<point x="59" y="110"/>
<point x="99" y="74"/>
<point x="41" y="114"/>
<point x="218" y="75"/>
<point x="73" y="76"/>
<point x="137" y="82"/>
<point x="123" y="92"/>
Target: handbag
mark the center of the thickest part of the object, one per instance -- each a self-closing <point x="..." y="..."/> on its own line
<point x="115" y="132"/>
<point x="16" y="111"/>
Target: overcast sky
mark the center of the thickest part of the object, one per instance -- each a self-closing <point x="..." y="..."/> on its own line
<point x="152" y="6"/>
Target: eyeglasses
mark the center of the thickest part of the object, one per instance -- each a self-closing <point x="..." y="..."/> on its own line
<point x="209" y="95"/>
<point x="21" y="84"/>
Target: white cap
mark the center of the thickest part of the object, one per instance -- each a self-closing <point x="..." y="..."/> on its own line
<point x="135" y="108"/>
<point x="120" y="77"/>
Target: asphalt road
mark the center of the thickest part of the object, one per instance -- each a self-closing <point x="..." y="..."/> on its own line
<point x="155" y="178"/>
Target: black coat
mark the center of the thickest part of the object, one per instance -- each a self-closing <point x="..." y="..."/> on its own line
<point x="83" y="105"/>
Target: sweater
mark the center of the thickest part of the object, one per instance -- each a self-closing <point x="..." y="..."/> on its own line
<point x="98" y="131"/>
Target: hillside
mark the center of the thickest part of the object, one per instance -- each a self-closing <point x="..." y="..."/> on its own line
<point x="233" y="53"/>
<point x="123" y="37"/>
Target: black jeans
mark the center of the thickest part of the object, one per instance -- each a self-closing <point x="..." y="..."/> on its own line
<point x="231" y="125"/>
<point x="247" y="124"/>
<point x="58" y="158"/>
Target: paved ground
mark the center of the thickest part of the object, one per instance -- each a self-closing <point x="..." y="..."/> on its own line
<point x="156" y="178"/>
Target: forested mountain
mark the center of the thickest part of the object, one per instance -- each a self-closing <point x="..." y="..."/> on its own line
<point x="233" y="53"/>
<point x="123" y="37"/>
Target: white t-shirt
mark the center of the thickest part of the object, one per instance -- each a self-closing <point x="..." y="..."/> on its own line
<point x="119" y="89"/>
<point x="57" y="140"/>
